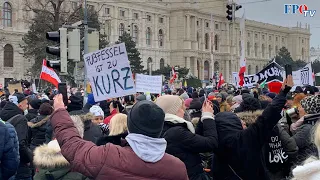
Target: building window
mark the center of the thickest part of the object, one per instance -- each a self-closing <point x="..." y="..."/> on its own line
<point x="257" y="69"/>
<point x="217" y="26"/>
<point x="149" y="64"/>
<point x="148" y="36"/>
<point x="207" y="24"/>
<point x="302" y="41"/>
<point x="107" y="29"/>
<point x="282" y="40"/>
<point x="198" y="39"/>
<point x="269" y="38"/>
<point x="106" y="11"/>
<point x="276" y="38"/>
<point x="206" y="40"/>
<point x="197" y="23"/>
<point x="248" y="34"/>
<point x="74" y="5"/>
<point x="216" y="42"/>
<point x="136" y="15"/>
<point x="121" y="29"/>
<point x="276" y="48"/>
<point x="262" y="37"/>
<point x="240" y="48"/>
<point x="161" y="63"/>
<point x="122" y="13"/>
<point x="160" y="38"/>
<point x="256" y="36"/>
<point x="91" y="7"/>
<point x="7" y="15"/>
<point x="263" y="50"/>
<point x="8" y="56"/>
<point x="302" y="54"/>
<point x="148" y="17"/>
<point x="255" y="49"/>
<point x="248" y="48"/>
<point x="270" y="51"/>
<point x="249" y="69"/>
<point x="161" y="20"/>
<point x="135" y="34"/>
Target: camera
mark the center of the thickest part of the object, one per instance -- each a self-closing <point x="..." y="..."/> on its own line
<point x="293" y="112"/>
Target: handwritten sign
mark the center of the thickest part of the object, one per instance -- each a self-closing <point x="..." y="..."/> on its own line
<point x="146" y="83"/>
<point x="109" y="73"/>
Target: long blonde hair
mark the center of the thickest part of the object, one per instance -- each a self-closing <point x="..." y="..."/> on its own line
<point x="118" y="124"/>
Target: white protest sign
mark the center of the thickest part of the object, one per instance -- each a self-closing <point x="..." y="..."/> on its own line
<point x="109" y="73"/>
<point x="303" y="76"/>
<point x="146" y="83"/>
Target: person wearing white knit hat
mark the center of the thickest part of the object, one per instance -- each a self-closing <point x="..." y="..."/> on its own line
<point x="180" y="135"/>
<point x="98" y="114"/>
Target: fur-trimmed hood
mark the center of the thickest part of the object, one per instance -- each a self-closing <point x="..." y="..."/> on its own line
<point x="49" y="156"/>
<point x="249" y="117"/>
<point x="86" y="117"/>
<point x="38" y="121"/>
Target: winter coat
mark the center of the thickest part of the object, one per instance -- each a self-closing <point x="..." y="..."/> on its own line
<point x="185" y="144"/>
<point x="14" y="115"/>
<point x="52" y="165"/>
<point x="110" y="161"/>
<point x="239" y="152"/>
<point x="116" y="140"/>
<point x="32" y="113"/>
<point x="38" y="128"/>
<point x="9" y="150"/>
<point x="278" y="152"/>
<point x="92" y="132"/>
<point x="302" y="140"/>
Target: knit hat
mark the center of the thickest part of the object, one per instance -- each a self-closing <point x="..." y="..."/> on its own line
<point x="146" y="118"/>
<point x="311" y="104"/>
<point x="187" y="102"/>
<point x="96" y="111"/>
<point x="169" y="103"/>
<point x="91" y="100"/>
<point x="17" y="98"/>
<point x="35" y="103"/>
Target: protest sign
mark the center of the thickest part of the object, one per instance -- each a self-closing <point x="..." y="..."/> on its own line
<point x="109" y="73"/>
<point x="12" y="87"/>
<point x="146" y="83"/>
<point x="303" y="76"/>
<point x="272" y="72"/>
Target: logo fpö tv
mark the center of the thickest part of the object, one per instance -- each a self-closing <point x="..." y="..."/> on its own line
<point x="302" y="9"/>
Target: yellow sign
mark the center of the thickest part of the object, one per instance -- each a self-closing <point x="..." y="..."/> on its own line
<point x="89" y="88"/>
<point x="12" y="87"/>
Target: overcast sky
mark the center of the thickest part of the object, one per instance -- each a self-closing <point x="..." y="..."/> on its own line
<point x="273" y="12"/>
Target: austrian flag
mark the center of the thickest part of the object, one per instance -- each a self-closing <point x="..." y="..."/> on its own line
<point x="48" y="74"/>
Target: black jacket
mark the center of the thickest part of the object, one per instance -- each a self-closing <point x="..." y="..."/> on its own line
<point x="186" y="146"/>
<point x="117" y="140"/>
<point x="32" y="113"/>
<point x="239" y="152"/>
<point x="38" y="128"/>
<point x="92" y="132"/>
<point x="14" y="115"/>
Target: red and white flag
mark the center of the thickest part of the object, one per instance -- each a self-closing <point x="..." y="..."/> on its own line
<point x="48" y="74"/>
<point x="242" y="55"/>
<point x="174" y="76"/>
<point x="221" y="80"/>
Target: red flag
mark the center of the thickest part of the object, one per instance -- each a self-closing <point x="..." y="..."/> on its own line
<point x="174" y="76"/>
<point x="48" y="74"/>
<point x="221" y="80"/>
<point x="242" y="54"/>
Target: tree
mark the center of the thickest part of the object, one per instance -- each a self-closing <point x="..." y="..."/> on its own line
<point x="133" y="53"/>
<point x="166" y="70"/>
<point x="284" y="57"/>
<point x="50" y="16"/>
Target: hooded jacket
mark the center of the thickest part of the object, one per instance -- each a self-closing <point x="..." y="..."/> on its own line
<point x="37" y="129"/>
<point x="52" y="165"/>
<point x="32" y="113"/>
<point x="14" y="115"/>
<point x="239" y="152"/>
<point x="9" y="150"/>
<point x="112" y="161"/>
<point x="186" y="144"/>
<point x="92" y="132"/>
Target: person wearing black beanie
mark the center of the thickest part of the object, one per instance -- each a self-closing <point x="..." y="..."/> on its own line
<point x="75" y="105"/>
<point x="33" y="109"/>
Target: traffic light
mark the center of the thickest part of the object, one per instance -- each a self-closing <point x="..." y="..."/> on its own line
<point x="60" y="50"/>
<point x="238" y="7"/>
<point x="68" y="47"/>
<point x="93" y="41"/>
<point x="229" y="12"/>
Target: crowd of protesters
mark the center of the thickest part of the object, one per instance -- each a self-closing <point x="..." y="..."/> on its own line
<point x="226" y="134"/>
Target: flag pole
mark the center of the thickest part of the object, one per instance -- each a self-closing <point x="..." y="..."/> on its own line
<point x="212" y="47"/>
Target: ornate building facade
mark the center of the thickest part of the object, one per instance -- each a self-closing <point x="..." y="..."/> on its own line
<point x="170" y="32"/>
